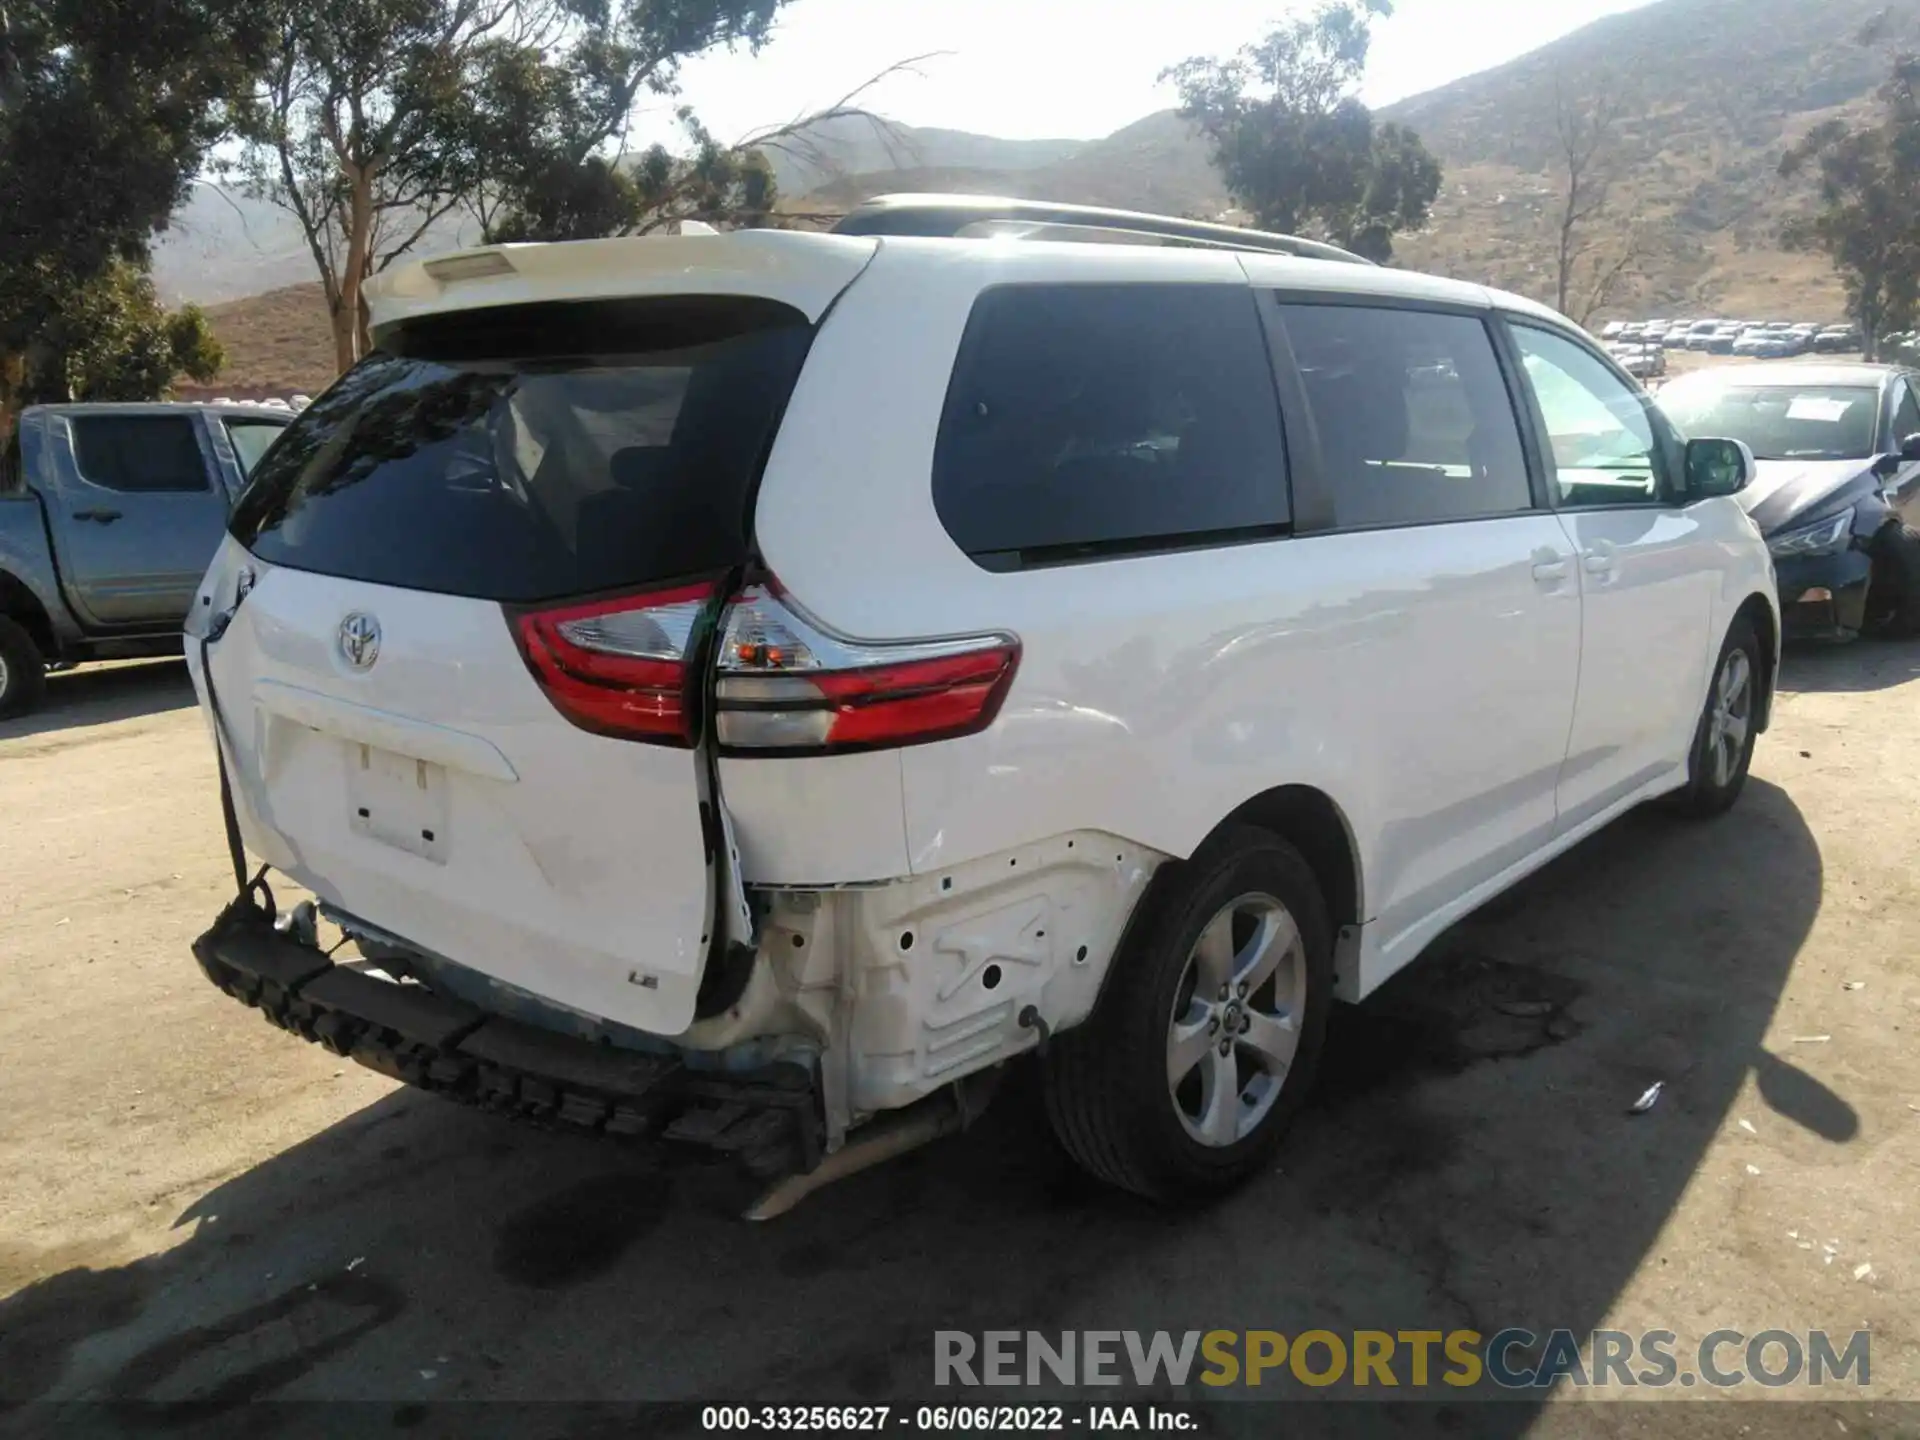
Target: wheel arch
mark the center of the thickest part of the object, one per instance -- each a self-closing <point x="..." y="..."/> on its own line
<point x="20" y="604"/>
<point x="1756" y="609"/>
<point x="1309" y="820"/>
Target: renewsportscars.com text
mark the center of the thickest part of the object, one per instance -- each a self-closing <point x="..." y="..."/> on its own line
<point x="1512" y="1359"/>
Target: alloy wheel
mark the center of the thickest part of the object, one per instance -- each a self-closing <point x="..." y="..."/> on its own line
<point x="1236" y="1020"/>
<point x="1730" y="717"/>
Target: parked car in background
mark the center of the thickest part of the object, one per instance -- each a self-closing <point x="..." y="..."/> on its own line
<point x="1838" y="340"/>
<point x="733" y="732"/>
<point x="1838" y="492"/>
<point x="1771" y="345"/>
<point x="1639" y="359"/>
<point x="1611" y="330"/>
<point x="109" y="515"/>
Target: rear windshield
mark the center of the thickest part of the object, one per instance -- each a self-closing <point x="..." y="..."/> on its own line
<point x="1779" y="422"/>
<point x="535" y="453"/>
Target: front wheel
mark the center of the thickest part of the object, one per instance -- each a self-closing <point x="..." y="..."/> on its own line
<point x="1893" y="591"/>
<point x="1205" y="1042"/>
<point x="1723" y="742"/>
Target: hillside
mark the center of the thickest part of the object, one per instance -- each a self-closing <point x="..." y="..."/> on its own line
<point x="1712" y="93"/>
<point x="224" y="244"/>
<point x="853" y="146"/>
<point x="277" y="343"/>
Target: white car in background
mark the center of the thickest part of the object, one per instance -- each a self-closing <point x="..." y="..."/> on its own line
<point x="752" y="687"/>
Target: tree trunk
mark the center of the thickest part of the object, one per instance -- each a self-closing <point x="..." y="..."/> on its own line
<point x="13" y="375"/>
<point x="1566" y="267"/>
<point x="349" y="326"/>
<point x="344" y="338"/>
<point x="363" y="316"/>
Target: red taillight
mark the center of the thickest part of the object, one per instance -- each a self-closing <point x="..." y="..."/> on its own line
<point x="786" y="685"/>
<point x="619" y="667"/>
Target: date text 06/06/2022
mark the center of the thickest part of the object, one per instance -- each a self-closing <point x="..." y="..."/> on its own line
<point x="925" y="1419"/>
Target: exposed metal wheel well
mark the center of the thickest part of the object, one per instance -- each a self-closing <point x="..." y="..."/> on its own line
<point x="1309" y="820"/>
<point x="21" y="605"/>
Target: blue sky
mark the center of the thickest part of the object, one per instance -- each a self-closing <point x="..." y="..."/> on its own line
<point x="1076" y="69"/>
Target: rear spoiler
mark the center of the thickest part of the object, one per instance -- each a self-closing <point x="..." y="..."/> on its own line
<point x="799" y="269"/>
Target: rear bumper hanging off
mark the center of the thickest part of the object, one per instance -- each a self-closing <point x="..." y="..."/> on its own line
<point x="768" y="1119"/>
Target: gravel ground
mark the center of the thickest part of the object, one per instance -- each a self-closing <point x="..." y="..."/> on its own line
<point x="198" y="1206"/>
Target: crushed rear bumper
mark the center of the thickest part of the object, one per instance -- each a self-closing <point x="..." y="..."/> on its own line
<point x="769" y="1119"/>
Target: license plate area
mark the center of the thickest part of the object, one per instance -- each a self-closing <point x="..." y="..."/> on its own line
<point x="397" y="800"/>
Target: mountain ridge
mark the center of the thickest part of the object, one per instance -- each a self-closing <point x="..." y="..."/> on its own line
<point x="1713" y="92"/>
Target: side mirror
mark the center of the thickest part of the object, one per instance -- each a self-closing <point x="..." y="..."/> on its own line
<point x="1887" y="465"/>
<point x="1718" y="467"/>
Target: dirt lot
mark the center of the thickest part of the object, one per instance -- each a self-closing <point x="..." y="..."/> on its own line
<point x="199" y="1206"/>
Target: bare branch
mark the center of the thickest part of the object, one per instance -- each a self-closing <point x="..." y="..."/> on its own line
<point x="1608" y="278"/>
<point x="798" y="139"/>
<point x="1586" y="127"/>
<point x="390" y="253"/>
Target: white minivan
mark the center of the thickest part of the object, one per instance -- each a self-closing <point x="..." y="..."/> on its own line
<point x="749" y="688"/>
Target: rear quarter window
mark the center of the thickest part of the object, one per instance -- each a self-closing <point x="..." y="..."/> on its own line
<point x="1085" y="421"/>
<point x="250" y="440"/>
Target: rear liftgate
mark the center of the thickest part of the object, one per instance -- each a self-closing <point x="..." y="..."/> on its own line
<point x="780" y="685"/>
<point x="768" y="1119"/>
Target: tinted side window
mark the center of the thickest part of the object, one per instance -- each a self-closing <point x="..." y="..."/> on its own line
<point x="1414" y="419"/>
<point x="1906" y="414"/>
<point x="1087" y="420"/>
<point x="139" y="453"/>
<point x="1604" y="451"/>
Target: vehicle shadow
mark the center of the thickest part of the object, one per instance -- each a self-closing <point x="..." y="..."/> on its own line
<point x="102" y="694"/>
<point x="1470" y="1162"/>
<point x="1861" y="665"/>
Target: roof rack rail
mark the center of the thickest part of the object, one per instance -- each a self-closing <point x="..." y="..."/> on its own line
<point x="985" y="215"/>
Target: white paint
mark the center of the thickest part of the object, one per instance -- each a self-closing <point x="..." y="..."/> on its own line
<point x="1474" y="698"/>
<point x="563" y="882"/>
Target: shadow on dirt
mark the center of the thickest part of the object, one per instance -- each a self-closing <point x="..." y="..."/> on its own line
<point x="1857" y="666"/>
<point x="100" y="694"/>
<point x="1470" y="1162"/>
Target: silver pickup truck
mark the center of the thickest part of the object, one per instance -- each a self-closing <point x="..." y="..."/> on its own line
<point x="109" y="516"/>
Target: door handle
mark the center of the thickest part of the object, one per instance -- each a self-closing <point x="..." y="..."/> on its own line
<point x="1549" y="571"/>
<point x="104" y="517"/>
<point x="1597" y="562"/>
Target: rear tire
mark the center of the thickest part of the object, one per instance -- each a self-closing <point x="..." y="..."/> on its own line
<point x="1893" y="592"/>
<point x="1237" y="952"/>
<point x="1723" y="742"/>
<point x="23" y="670"/>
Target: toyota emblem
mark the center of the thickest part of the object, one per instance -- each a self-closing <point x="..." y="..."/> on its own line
<point x="360" y="640"/>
